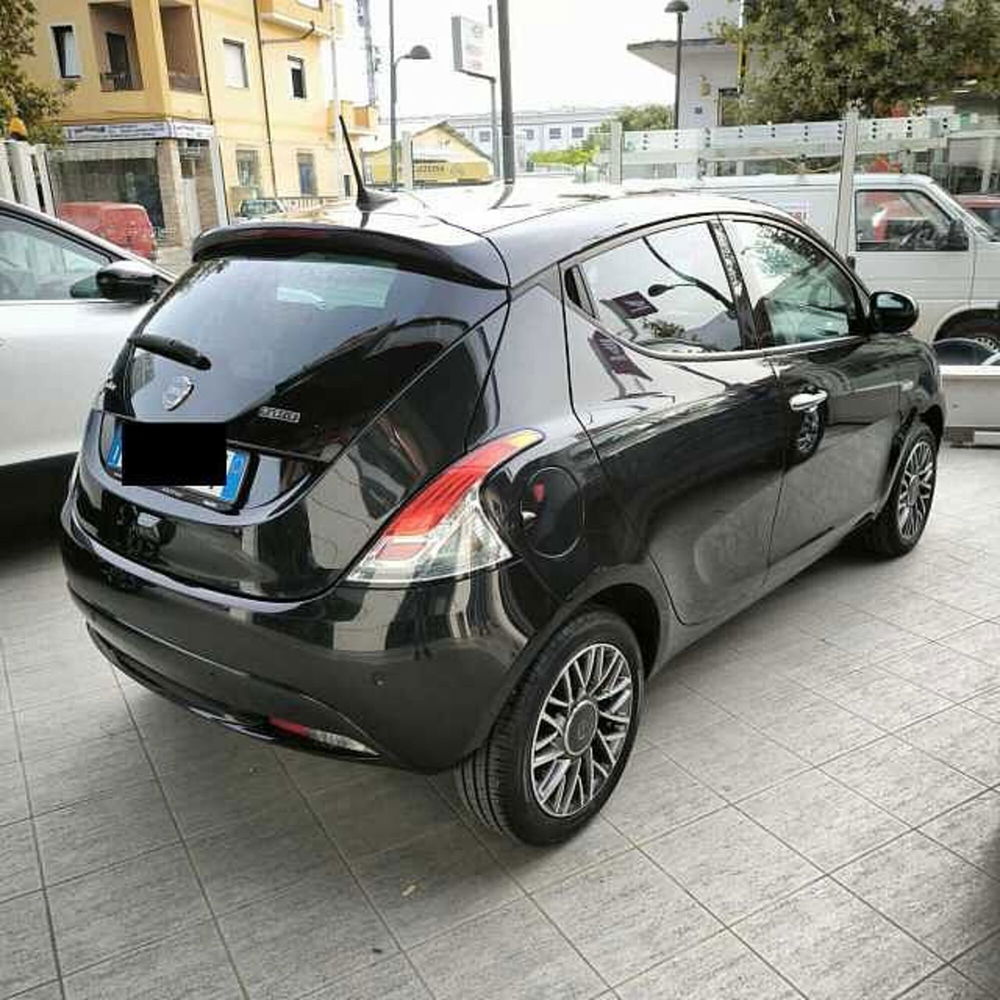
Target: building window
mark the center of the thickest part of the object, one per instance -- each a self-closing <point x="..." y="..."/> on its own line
<point x="315" y="4"/>
<point x="307" y="173"/>
<point x="485" y="135"/>
<point x="64" y="39"/>
<point x="577" y="132"/>
<point x="247" y="168"/>
<point x="555" y="133"/>
<point x="236" y="64"/>
<point x="529" y="133"/>
<point x="297" y="68"/>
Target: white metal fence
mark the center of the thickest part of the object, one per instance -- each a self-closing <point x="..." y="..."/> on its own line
<point x="24" y="175"/>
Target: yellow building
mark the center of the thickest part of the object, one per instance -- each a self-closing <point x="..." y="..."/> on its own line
<point x="190" y="106"/>
<point x="440" y="154"/>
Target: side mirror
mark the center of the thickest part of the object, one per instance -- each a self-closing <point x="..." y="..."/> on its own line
<point x="958" y="237"/>
<point x="128" y="281"/>
<point x="893" y="312"/>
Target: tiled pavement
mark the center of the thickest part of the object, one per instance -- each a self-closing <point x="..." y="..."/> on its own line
<point x="812" y="811"/>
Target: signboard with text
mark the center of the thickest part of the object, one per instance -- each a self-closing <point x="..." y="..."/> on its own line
<point x="474" y="47"/>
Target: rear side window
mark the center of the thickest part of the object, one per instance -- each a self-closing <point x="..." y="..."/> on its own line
<point x="667" y="292"/>
<point x="265" y="323"/>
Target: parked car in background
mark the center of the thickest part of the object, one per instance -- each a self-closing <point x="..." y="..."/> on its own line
<point x="260" y="208"/>
<point x="965" y="352"/>
<point x="68" y="300"/>
<point x="986" y="206"/>
<point x="443" y="496"/>
<point x="907" y="233"/>
<point x="124" y="224"/>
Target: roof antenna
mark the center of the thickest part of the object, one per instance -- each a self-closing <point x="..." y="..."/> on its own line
<point x="367" y="200"/>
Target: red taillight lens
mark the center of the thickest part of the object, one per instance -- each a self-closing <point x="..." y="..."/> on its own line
<point x="443" y="531"/>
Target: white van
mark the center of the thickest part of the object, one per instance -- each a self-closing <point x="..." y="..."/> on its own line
<point x="908" y="234"/>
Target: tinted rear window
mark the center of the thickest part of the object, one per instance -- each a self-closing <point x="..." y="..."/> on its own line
<point x="263" y="322"/>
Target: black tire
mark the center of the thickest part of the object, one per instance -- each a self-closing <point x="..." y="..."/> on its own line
<point x="496" y="782"/>
<point x="886" y="536"/>
<point x="984" y="330"/>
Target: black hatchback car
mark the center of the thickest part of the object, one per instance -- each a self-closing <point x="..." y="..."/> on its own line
<point x="444" y="494"/>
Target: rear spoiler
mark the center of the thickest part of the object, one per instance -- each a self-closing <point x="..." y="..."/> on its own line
<point x="456" y="255"/>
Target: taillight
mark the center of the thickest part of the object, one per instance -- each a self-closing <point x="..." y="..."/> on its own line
<point x="443" y="531"/>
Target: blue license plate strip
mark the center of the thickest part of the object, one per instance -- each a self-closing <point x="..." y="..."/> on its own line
<point x="227" y="492"/>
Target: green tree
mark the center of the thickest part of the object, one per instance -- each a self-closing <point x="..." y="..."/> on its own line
<point x="35" y="104"/>
<point x="646" y="118"/>
<point x="812" y="59"/>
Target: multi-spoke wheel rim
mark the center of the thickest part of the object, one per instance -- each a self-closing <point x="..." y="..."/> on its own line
<point x="916" y="488"/>
<point x="581" y="730"/>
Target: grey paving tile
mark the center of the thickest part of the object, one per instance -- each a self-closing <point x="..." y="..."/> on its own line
<point x="832" y="946"/>
<point x="822" y="819"/>
<point x="312" y="773"/>
<point x="674" y="710"/>
<point x="510" y="954"/>
<point x="987" y="705"/>
<point x="626" y="915"/>
<point x="50" y="991"/>
<point x="655" y="795"/>
<point x="730" y="865"/>
<point x="982" y="965"/>
<point x="75" y="774"/>
<point x="393" y="979"/>
<point x="433" y="882"/>
<point x="885" y="699"/>
<point x="241" y="863"/>
<point x="972" y="830"/>
<point x="190" y="966"/>
<point x="873" y="639"/>
<point x="50" y="682"/>
<point x="819" y="730"/>
<point x="18" y="860"/>
<point x="940" y="899"/>
<point x="26" y="958"/>
<point x="967" y="741"/>
<point x="114" y="826"/>
<point x="925" y="616"/>
<point x="305" y="937"/>
<point x="734" y="760"/>
<point x="379" y="809"/>
<point x="946" y="671"/>
<point x="8" y="737"/>
<point x="945" y="984"/>
<point x="218" y="798"/>
<point x="534" y="868"/>
<point x="721" y="968"/>
<point x="121" y="908"/>
<point x="47" y="728"/>
<point x="13" y="793"/>
<point x="981" y="641"/>
<point x="903" y="780"/>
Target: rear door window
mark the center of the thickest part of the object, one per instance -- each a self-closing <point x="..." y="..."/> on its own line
<point x="900" y="220"/>
<point x="667" y="292"/>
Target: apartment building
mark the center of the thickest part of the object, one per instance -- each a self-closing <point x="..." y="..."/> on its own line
<point x="189" y="106"/>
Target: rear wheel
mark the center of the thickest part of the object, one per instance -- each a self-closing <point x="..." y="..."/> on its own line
<point x="984" y="330"/>
<point x="902" y="520"/>
<point x="560" y="744"/>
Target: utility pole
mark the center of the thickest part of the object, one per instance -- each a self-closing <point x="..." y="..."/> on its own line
<point x="494" y="130"/>
<point x="392" y="95"/>
<point x="506" y="99"/>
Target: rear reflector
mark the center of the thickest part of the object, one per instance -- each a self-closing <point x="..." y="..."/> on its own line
<point x="443" y="531"/>
<point x="335" y="741"/>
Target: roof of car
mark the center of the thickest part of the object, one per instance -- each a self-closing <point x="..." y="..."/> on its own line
<point x="500" y="243"/>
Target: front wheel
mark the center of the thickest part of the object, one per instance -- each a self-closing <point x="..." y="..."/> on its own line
<point x="899" y="525"/>
<point x="560" y="744"/>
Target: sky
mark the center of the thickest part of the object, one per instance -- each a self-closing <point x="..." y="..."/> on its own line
<point x="563" y="53"/>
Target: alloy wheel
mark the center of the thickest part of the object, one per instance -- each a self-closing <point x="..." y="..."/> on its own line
<point x="581" y="730"/>
<point x="916" y="487"/>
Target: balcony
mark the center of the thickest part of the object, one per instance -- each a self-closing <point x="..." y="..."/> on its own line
<point x="180" y="46"/>
<point x="113" y="30"/>
<point x="361" y="119"/>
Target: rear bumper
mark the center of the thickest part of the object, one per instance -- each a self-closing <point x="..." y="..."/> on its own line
<point x="417" y="675"/>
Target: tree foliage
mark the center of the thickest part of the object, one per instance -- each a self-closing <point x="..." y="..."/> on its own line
<point x="813" y="59"/>
<point x="35" y="104"/>
<point x="575" y="156"/>
<point x="646" y="118"/>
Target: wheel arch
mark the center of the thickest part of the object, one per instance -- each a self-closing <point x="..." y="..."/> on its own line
<point x="637" y="606"/>
<point x="933" y="416"/>
<point x="944" y="331"/>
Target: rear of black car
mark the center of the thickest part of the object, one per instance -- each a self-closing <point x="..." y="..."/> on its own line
<point x="336" y="373"/>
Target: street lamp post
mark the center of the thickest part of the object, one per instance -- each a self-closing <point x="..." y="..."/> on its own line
<point x="417" y="52"/>
<point x="680" y="8"/>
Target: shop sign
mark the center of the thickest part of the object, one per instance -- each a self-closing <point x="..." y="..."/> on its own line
<point x="164" y="129"/>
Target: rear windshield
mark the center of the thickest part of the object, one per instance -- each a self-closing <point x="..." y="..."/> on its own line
<point x="264" y="322"/>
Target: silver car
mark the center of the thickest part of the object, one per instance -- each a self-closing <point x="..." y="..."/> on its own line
<point x="68" y="300"/>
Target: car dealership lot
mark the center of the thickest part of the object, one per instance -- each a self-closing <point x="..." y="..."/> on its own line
<point x="813" y="810"/>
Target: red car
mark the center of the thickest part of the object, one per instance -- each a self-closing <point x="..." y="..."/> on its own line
<point x="122" y="223"/>
<point x="986" y="206"/>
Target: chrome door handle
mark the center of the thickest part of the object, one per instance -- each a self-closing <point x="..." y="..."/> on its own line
<point x="803" y="401"/>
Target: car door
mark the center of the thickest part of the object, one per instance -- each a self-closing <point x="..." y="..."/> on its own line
<point x="58" y="338"/>
<point x="906" y="242"/>
<point x="685" y="419"/>
<point x="838" y="382"/>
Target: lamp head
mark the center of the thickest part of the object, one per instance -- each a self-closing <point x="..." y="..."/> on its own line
<point x="676" y="7"/>
<point x="418" y="52"/>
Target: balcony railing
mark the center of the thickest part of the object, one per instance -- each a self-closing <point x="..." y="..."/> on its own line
<point x="189" y="82"/>
<point x="119" y="81"/>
